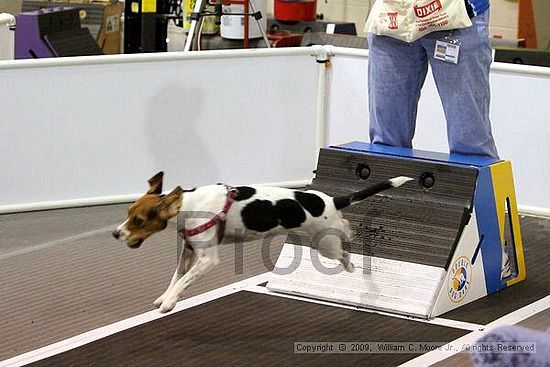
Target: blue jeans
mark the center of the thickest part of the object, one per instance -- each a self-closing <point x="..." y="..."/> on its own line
<point x="396" y="73"/>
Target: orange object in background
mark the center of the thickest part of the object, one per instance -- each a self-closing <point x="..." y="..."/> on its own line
<point x="295" y="10"/>
<point x="526" y="24"/>
<point x="285" y="39"/>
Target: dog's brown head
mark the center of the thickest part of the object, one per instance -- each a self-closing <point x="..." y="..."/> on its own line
<point x="150" y="213"/>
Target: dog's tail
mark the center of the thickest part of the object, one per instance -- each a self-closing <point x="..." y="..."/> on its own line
<point x="341" y="202"/>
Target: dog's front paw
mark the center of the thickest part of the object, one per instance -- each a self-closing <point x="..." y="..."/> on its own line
<point x="350" y="268"/>
<point x="167" y="305"/>
<point x="159" y="301"/>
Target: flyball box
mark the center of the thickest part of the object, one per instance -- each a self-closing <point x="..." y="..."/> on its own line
<point x="447" y="238"/>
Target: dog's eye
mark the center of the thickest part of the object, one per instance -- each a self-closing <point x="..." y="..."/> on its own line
<point x="138" y="222"/>
<point x="152" y="214"/>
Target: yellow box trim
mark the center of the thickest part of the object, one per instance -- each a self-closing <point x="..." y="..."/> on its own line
<point x="503" y="186"/>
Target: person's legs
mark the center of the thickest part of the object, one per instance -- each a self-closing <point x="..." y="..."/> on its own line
<point x="396" y="73"/>
<point x="464" y="88"/>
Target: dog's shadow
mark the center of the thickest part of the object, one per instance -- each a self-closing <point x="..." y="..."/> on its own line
<point x="175" y="137"/>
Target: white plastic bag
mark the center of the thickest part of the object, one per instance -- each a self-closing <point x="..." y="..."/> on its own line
<point x="409" y="20"/>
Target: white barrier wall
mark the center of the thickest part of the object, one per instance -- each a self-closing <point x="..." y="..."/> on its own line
<point x="99" y="127"/>
<point x="93" y="129"/>
<point x="348" y="105"/>
<point x="520" y="115"/>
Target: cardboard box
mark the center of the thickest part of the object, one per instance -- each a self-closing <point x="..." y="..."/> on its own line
<point x="101" y="17"/>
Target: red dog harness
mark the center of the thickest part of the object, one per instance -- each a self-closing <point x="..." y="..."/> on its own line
<point x="219" y="218"/>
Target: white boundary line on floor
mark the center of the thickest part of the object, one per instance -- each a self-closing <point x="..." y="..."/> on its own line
<point x="436" y="321"/>
<point x="102" y="332"/>
<point x="251" y="285"/>
<point x="109" y="200"/>
<point x="59" y="241"/>
<point x="534" y="211"/>
<point x="120" y="199"/>
<point x="456" y="346"/>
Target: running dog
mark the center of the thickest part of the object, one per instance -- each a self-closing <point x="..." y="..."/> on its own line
<point x="216" y="212"/>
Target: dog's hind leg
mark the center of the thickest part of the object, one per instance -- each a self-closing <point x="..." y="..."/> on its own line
<point x="330" y="246"/>
<point x="206" y="259"/>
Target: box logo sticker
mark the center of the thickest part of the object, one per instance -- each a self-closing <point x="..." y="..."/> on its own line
<point x="460" y="280"/>
<point x="112" y="24"/>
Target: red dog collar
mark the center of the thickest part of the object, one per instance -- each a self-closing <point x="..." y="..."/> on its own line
<point x="219" y="218"/>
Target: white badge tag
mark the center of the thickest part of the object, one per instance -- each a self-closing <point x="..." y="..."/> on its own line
<point x="446" y="51"/>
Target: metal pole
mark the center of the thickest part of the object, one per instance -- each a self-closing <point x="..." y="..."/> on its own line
<point x="199" y="6"/>
<point x="246" y="23"/>
<point x="262" y="30"/>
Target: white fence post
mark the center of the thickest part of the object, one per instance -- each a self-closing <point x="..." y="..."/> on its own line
<point x="7" y="43"/>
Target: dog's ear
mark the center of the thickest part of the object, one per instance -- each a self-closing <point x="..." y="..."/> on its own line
<point x="155" y="184"/>
<point x="171" y="204"/>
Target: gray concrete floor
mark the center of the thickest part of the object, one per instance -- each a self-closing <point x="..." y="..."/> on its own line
<point x="62" y="274"/>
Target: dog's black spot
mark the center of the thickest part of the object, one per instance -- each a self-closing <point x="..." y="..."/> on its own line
<point x="341" y="202"/>
<point x="311" y="202"/>
<point x="290" y="213"/>
<point x="244" y="192"/>
<point x="260" y="216"/>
